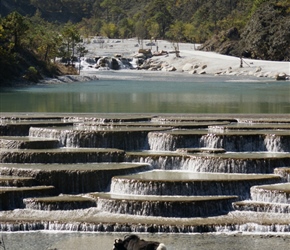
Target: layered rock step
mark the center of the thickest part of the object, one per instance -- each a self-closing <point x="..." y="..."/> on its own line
<point x="247" y="163"/>
<point x="201" y="150"/>
<point x="284" y="172"/>
<point x="188" y="183"/>
<point x="20" y="127"/>
<point x="63" y="202"/>
<point x="16" y="181"/>
<point x="26" y="142"/>
<point x="278" y="193"/>
<point x="92" y="169"/>
<point x="165" y="206"/>
<point x="126" y="138"/>
<point x="267" y="198"/>
<point x="262" y="207"/>
<point x="152" y="124"/>
<point x="73" y="178"/>
<point x="259" y="125"/>
<point x="233" y="141"/>
<point x="107" y="118"/>
<point x="193" y="118"/>
<point x="61" y="155"/>
<point x="12" y="197"/>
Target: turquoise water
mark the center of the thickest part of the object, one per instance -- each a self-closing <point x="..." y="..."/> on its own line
<point x="57" y="240"/>
<point x="156" y="92"/>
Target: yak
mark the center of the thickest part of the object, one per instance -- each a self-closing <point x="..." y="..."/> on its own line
<point x="133" y="242"/>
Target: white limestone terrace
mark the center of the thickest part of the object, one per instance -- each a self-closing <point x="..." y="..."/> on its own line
<point x="77" y="163"/>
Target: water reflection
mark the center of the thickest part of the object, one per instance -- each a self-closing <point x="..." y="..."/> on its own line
<point x="151" y="95"/>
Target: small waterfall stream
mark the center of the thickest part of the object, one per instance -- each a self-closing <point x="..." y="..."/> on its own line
<point x="144" y="173"/>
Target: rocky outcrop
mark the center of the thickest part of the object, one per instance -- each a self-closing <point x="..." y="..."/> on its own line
<point x="282" y="77"/>
<point x="266" y="36"/>
<point x="69" y="79"/>
<point x="223" y="43"/>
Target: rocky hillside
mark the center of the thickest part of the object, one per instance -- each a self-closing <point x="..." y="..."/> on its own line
<point x="266" y="35"/>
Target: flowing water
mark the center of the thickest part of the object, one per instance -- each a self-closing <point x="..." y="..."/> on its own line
<point x="152" y="92"/>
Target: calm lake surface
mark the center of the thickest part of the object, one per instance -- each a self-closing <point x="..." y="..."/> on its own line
<point x="152" y="92"/>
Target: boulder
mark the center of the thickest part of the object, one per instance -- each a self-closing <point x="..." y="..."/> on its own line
<point x="145" y="65"/>
<point x="172" y="68"/>
<point x="140" y="55"/>
<point x="103" y="62"/>
<point x="281" y="77"/>
<point x="114" y="64"/>
<point x="187" y="67"/>
<point x="259" y="69"/>
<point x="146" y="52"/>
<point x="192" y="72"/>
<point x="168" y="68"/>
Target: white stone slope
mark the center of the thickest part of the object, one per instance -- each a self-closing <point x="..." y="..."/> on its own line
<point x="190" y="61"/>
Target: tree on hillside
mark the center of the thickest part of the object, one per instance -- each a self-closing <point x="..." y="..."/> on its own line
<point x="257" y="4"/>
<point x="126" y="28"/>
<point x="175" y="33"/>
<point x="109" y="30"/>
<point x="189" y="32"/>
<point x="7" y="57"/>
<point x="153" y="29"/>
<point x="15" y="26"/>
<point x="48" y="43"/>
<point x="140" y="32"/>
<point x="157" y="11"/>
<point x="43" y="38"/>
<point x="267" y="35"/>
<point x="71" y="37"/>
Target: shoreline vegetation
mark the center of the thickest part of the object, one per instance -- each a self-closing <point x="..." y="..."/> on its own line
<point x="236" y="37"/>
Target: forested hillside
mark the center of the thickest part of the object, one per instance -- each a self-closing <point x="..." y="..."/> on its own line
<point x="191" y="19"/>
<point x="254" y="28"/>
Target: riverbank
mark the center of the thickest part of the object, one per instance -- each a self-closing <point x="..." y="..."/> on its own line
<point x="190" y="60"/>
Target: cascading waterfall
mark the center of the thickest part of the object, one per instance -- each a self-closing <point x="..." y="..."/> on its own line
<point x="265" y="207"/>
<point x="165" y="141"/>
<point x="212" y="141"/>
<point x="165" y="162"/>
<point x="179" y="183"/>
<point x="142" y="228"/>
<point x="167" y="207"/>
<point x="168" y="148"/>
<point x="278" y="193"/>
<point x="122" y="139"/>
<point x="276" y="143"/>
<point x="161" y="141"/>
<point x="234" y="143"/>
<point x="225" y="163"/>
